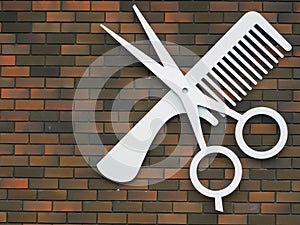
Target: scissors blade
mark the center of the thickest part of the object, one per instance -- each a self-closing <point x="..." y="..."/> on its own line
<point x="192" y="113"/>
<point x="155" y="68"/>
<point x="161" y="51"/>
<point x="151" y="64"/>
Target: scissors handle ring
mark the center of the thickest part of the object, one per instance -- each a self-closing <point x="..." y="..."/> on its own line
<point x="261" y="154"/>
<point x="217" y="194"/>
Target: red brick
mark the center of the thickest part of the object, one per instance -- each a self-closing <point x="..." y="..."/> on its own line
<point x="16" y="5"/>
<point x="7" y="60"/>
<point x="223" y="6"/>
<point x="51" y="217"/>
<point x="106" y="6"/>
<point x="146" y="218"/>
<point x="14" y="93"/>
<point x="76" y="5"/>
<point x="3" y="217"/>
<point x="43" y="138"/>
<point x="119" y="17"/>
<point x="75" y="49"/>
<point x="37" y="206"/>
<point x="46" y="5"/>
<point x="14" y="183"/>
<point x="171" y="17"/>
<point x="14" y="138"/>
<point x="58" y="105"/>
<point x="22" y="71"/>
<point x="275" y="208"/>
<point x="232" y="219"/>
<point x="29" y="104"/>
<point x="60" y="16"/>
<point x="67" y="206"/>
<point x="164" y="6"/>
<point x="30" y="82"/>
<point x="261" y="196"/>
<point x="6" y="104"/>
<point x="263" y="128"/>
<point x="172" y="218"/>
<point x="111" y="218"/>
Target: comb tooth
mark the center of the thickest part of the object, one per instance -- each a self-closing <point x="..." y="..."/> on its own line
<point x="251" y="58"/>
<point x="262" y="48"/>
<point x="230" y="80"/>
<point x="241" y="69"/>
<point x="246" y="64"/>
<point x="237" y="76"/>
<point x="209" y="91"/>
<point x="263" y="59"/>
<point x="262" y="37"/>
<point x="225" y="85"/>
<point x="217" y="88"/>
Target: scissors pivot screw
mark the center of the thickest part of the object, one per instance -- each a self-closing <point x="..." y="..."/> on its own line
<point x="185" y="90"/>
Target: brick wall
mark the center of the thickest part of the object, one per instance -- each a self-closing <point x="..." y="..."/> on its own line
<point x="45" y="48"/>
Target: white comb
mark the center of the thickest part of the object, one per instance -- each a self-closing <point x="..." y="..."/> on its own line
<point x="228" y="57"/>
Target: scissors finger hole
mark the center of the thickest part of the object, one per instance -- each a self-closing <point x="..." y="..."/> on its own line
<point x="240" y="137"/>
<point x="217" y="194"/>
<point x="261" y="133"/>
<point x="215" y="171"/>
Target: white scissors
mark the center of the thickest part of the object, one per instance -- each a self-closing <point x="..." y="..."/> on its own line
<point x="195" y="104"/>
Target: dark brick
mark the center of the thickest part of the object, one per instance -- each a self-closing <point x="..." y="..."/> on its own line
<point x="38" y="71"/>
<point x="16" y="27"/>
<point x="82" y="217"/>
<point x="89" y="16"/>
<point x="202" y="219"/>
<point x="6" y="127"/>
<point x="208" y="17"/>
<point x="157" y="207"/>
<point x="60" y="38"/>
<point x="32" y="16"/>
<point x="193" y="6"/>
<point x="165" y="185"/>
<point x="44" y="116"/>
<point x="278" y="6"/>
<point x="29" y="172"/>
<point x="45" y="49"/>
<point x="60" y="60"/>
<point x="193" y="28"/>
<point x="11" y="205"/>
<point x="127" y="6"/>
<point x="31" y="38"/>
<point x="59" y="127"/>
<point x="289" y="17"/>
<point x="8" y="16"/>
<point x="30" y="60"/>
